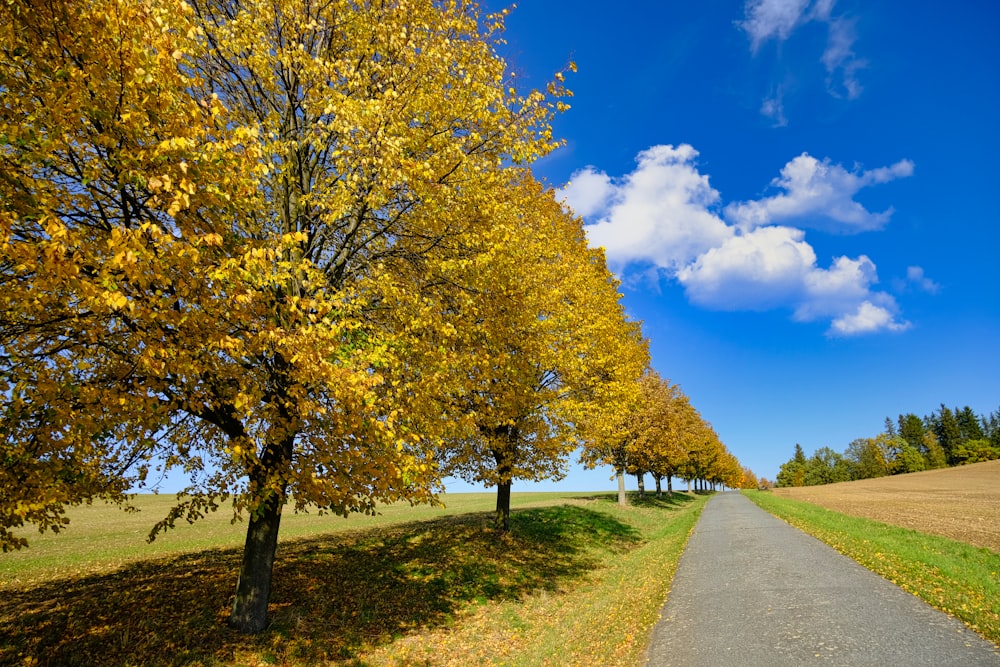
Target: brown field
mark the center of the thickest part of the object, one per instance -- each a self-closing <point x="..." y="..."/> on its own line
<point x="961" y="503"/>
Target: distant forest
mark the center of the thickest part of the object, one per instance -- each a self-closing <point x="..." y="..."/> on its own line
<point x="948" y="437"/>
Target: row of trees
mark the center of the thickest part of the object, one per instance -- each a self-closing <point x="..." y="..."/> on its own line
<point x="946" y="437"/>
<point x="662" y="434"/>
<point x="293" y="251"/>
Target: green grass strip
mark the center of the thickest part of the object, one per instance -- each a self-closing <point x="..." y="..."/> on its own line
<point x="955" y="577"/>
<point x="578" y="580"/>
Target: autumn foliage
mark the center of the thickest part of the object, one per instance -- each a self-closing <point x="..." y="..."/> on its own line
<point x="286" y="249"/>
<point x="293" y="251"/>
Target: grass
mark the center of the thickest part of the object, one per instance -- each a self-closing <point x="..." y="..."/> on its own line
<point x="577" y="579"/>
<point x="955" y="577"/>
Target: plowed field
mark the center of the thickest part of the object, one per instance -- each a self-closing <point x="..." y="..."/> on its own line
<point x="962" y="503"/>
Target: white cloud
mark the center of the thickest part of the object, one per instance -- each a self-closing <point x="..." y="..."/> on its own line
<point x="774" y="108"/>
<point x="915" y="277"/>
<point x="589" y="191"/>
<point x="659" y="214"/>
<point x="659" y="220"/>
<point x="868" y="318"/>
<point x="762" y="269"/>
<point x="839" y="289"/>
<point x="767" y="19"/>
<point x="842" y="64"/>
<point x="779" y="19"/>
<point x="820" y="195"/>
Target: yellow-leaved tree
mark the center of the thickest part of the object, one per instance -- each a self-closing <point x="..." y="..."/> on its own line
<point x="659" y="422"/>
<point x="219" y="225"/>
<point x="540" y="328"/>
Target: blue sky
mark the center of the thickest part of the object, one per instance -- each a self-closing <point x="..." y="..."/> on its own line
<point x="799" y="196"/>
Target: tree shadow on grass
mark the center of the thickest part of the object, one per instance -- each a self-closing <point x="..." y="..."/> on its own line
<point x="334" y="596"/>
<point x="665" y="501"/>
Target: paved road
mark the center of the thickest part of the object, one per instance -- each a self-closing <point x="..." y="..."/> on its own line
<point x="751" y="590"/>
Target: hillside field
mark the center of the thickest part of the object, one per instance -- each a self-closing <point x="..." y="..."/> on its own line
<point x="961" y="503"/>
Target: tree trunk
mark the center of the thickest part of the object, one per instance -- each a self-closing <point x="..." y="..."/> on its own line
<point x="670" y="486"/>
<point x="267" y="482"/>
<point x="253" y="590"/>
<point x="503" y="454"/>
<point x="659" y="488"/>
<point x="641" y="479"/>
<point x="502" y="519"/>
<point x="622" y="498"/>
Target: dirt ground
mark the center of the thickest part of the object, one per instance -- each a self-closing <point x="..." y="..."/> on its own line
<point x="962" y="503"/>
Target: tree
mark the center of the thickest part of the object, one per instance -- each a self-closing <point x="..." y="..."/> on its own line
<point x="970" y="427"/>
<point x="911" y="429"/>
<point x="991" y="428"/>
<point x="975" y="451"/>
<point x="908" y="459"/>
<point x="793" y="472"/>
<point x="606" y="418"/>
<point x="934" y="456"/>
<point x="705" y="450"/>
<point x="540" y="318"/>
<point x="659" y="427"/>
<point x="826" y="466"/>
<point x="215" y="255"/>
<point x="868" y="457"/>
<point x="946" y="427"/>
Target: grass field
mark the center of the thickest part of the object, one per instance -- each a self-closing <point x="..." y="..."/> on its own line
<point x="577" y="580"/>
<point x="959" y="578"/>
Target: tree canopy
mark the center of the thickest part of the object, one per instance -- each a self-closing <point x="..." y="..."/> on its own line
<point x="222" y="226"/>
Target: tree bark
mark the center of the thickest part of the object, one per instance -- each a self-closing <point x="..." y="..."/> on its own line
<point x="659" y="487"/>
<point x="503" y="455"/>
<point x="253" y="590"/>
<point x="641" y="479"/>
<point x="622" y="498"/>
<point x="502" y="519"/>
<point x="670" y="486"/>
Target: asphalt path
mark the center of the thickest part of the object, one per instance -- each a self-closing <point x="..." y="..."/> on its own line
<point x="752" y="590"/>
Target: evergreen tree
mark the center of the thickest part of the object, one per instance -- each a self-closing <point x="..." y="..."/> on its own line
<point x="946" y="429"/>
<point x="969" y="425"/>
<point x="911" y="429"/>
<point x="991" y="425"/>
<point x="800" y="456"/>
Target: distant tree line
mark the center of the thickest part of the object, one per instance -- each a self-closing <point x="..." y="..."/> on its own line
<point x="948" y="437"/>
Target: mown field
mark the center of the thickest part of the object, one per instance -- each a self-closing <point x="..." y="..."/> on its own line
<point x="578" y="579"/>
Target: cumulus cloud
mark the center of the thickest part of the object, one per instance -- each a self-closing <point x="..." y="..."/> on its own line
<point x="760" y="270"/>
<point x="589" y="190"/>
<point x="765" y="20"/>
<point x="868" y="318"/>
<point x="820" y="195"/>
<point x="661" y="218"/>
<point x="660" y="214"/>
